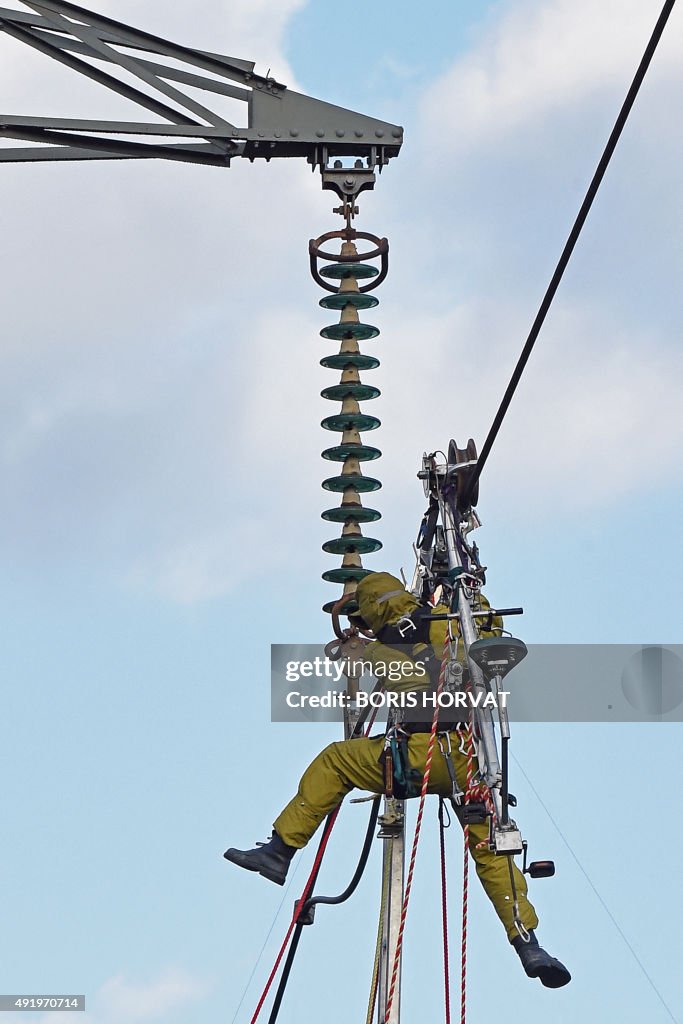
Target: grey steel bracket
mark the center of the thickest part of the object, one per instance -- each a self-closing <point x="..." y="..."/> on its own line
<point x="348" y="182"/>
<point x="279" y="122"/>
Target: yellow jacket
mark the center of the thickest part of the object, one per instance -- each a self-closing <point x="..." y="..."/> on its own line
<point x="383" y="600"/>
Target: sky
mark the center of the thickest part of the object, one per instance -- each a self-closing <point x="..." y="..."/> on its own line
<point x="160" y="465"/>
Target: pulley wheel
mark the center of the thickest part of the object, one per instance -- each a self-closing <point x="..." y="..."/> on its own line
<point x="462" y="479"/>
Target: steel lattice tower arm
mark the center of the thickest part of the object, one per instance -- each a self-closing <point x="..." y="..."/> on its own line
<point x="279" y="122"/>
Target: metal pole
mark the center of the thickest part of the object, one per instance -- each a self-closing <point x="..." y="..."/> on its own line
<point x="394" y="854"/>
<point x="491" y="764"/>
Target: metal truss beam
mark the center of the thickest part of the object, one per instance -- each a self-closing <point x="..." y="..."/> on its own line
<point x="277" y="123"/>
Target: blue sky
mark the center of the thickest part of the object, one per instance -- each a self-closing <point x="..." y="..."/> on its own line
<point x="161" y="500"/>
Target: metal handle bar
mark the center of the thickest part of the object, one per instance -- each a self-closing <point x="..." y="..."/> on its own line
<point x="480" y="615"/>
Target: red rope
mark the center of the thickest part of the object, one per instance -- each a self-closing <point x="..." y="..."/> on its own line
<point x="416" y="838"/>
<point x="297" y="909"/>
<point x="304" y="895"/>
<point x="444" y="916"/>
<point x="465" y="879"/>
<point x="465" y="890"/>
<point x="481" y="792"/>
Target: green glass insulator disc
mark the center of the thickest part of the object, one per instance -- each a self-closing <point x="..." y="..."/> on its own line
<point x="356" y="513"/>
<point x="350" y="608"/>
<point x="363" y="545"/>
<point x="356" y="299"/>
<point x="350" y="421"/>
<point x="336" y="271"/>
<point x="343" y="359"/>
<point x="361" y="332"/>
<point x="362" y="484"/>
<point x="341" y="452"/>
<point x="361" y="392"/>
<point x="344" y="574"/>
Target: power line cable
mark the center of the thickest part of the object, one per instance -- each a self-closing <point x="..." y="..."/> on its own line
<point x="265" y="941"/>
<point x="569" y="245"/>
<point x="593" y="887"/>
<point x="312" y="901"/>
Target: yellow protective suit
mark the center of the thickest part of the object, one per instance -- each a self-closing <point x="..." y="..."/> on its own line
<point x="355" y="764"/>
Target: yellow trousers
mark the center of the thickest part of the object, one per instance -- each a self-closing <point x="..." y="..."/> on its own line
<point x="354" y="764"/>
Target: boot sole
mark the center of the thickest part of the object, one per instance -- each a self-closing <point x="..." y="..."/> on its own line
<point x="550" y="976"/>
<point x="235" y="857"/>
<point x="271" y="876"/>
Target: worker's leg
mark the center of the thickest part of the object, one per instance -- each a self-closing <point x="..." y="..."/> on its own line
<point x="493" y="870"/>
<point x="338" y="769"/>
<point x="494" y="873"/>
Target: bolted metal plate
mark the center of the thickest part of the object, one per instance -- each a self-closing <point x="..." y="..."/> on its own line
<point x="341" y="452"/>
<point x="362" y="484"/>
<point x="351" y="513"/>
<point x="361" y="332"/>
<point x="507" y="841"/>
<point x="336" y="271"/>
<point x="361" y="392"/>
<point x="363" y="545"/>
<point x="349" y="421"/>
<point x="341" y="299"/>
<point x="341" y="360"/>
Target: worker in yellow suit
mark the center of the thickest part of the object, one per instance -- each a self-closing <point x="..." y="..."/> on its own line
<point x="358" y="764"/>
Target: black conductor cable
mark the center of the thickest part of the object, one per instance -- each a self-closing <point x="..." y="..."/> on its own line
<point x="569" y="245"/>
<point x="312" y="901"/>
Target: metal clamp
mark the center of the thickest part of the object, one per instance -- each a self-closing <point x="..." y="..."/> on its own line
<point x="348" y="234"/>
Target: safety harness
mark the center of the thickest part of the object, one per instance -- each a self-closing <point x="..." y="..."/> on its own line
<point x="413" y="631"/>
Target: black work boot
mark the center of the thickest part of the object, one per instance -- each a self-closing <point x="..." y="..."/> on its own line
<point x="539" y="964"/>
<point x="270" y="859"/>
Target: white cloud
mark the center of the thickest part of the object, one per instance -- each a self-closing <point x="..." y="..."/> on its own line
<point x="207" y="565"/>
<point x="588" y="419"/>
<point x="137" y="337"/>
<point x="600" y="394"/>
<point x="120" y="1001"/>
<point x="31" y="83"/>
<point x="160" y="379"/>
<point x="540" y="58"/>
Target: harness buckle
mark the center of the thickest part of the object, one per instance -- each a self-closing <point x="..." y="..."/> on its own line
<point x="447" y="752"/>
<point x="407" y="627"/>
<point x="391" y="822"/>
